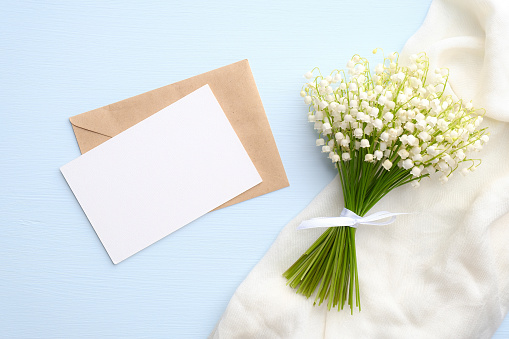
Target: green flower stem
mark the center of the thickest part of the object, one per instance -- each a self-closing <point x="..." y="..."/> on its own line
<point x="329" y="266"/>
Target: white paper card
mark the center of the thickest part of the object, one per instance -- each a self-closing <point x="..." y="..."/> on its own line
<point x="161" y="174"/>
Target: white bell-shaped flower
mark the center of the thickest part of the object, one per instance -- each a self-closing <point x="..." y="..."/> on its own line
<point x="384" y="136"/>
<point x="408" y="164"/>
<point x="388" y="116"/>
<point x="403" y="153"/>
<point x="387" y="164"/>
<point x="417" y="158"/>
<point x="409" y="126"/>
<point x="348" y="118"/>
<point x="424" y="136"/>
<point x="412" y="140"/>
<point x="416" y="171"/>
<point x="415" y="150"/>
<point x="404" y="139"/>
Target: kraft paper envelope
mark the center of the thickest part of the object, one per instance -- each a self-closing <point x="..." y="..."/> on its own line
<point x="234" y="88"/>
<point x="136" y="193"/>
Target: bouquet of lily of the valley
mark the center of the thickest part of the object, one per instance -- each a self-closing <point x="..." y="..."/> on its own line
<point x="381" y="130"/>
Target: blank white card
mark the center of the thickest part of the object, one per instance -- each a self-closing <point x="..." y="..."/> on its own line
<point x="161" y="174"/>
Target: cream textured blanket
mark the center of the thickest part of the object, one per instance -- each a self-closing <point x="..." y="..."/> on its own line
<point x="441" y="272"/>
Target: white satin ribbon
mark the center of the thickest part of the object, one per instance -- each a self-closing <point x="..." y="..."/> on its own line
<point x="350" y="219"/>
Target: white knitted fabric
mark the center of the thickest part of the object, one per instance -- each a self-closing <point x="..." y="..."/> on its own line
<point x="442" y="272"/>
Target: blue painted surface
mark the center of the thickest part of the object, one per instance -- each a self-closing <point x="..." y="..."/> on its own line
<point x="59" y="59"/>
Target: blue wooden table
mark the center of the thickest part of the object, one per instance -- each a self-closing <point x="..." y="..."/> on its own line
<point x="58" y="59"/>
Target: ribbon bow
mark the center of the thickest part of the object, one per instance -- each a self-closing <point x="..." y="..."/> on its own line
<point x="350" y="219"/>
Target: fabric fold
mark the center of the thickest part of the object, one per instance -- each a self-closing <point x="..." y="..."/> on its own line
<point x="440" y="275"/>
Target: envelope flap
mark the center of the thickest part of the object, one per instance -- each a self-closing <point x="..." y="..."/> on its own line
<point x="113" y="119"/>
<point x="98" y="120"/>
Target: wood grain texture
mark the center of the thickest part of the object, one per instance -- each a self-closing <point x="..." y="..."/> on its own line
<point x="59" y="59"/>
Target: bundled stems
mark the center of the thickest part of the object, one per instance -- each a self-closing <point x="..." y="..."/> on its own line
<point x="329" y="266"/>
